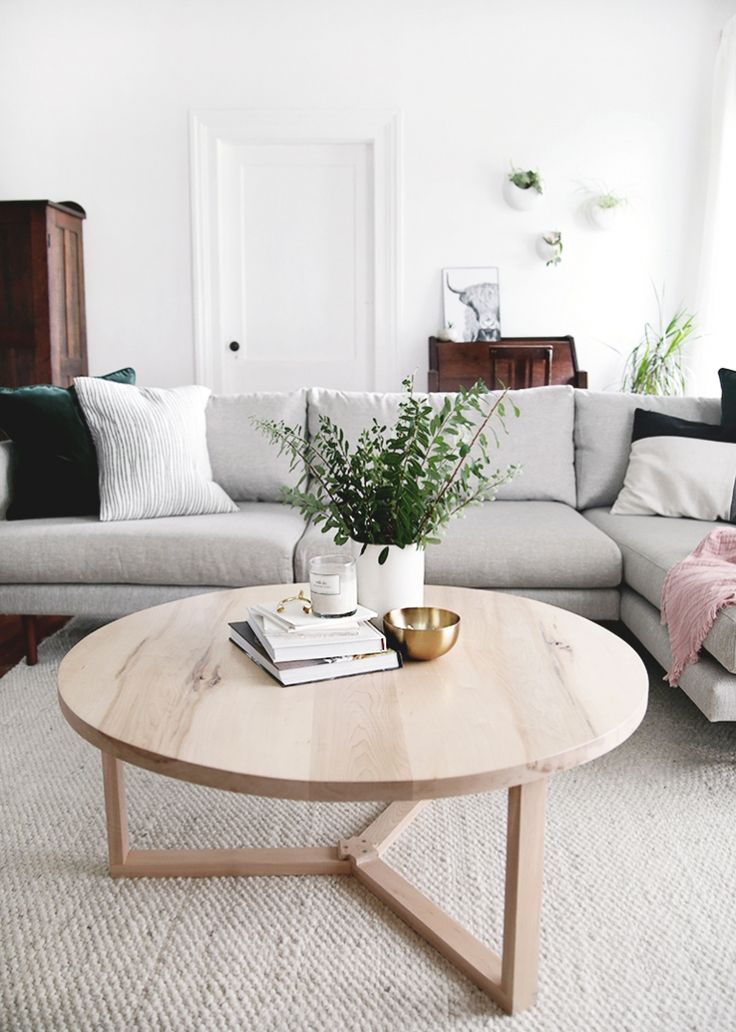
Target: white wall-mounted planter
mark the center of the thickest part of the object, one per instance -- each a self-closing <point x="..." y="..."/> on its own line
<point x="396" y="584"/>
<point x="603" y="218"/>
<point x="520" y="200"/>
<point x="545" y="251"/>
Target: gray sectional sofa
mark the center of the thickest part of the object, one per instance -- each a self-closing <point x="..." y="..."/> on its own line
<point x="550" y="534"/>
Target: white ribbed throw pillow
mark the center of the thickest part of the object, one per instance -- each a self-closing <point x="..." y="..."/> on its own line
<point x="151" y="445"/>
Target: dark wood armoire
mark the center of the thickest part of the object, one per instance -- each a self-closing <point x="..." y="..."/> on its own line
<point x="43" y="333"/>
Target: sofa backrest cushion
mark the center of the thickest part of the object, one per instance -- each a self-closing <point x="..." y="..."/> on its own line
<point x="540" y="440"/>
<point x="244" y="462"/>
<point x="603" y="425"/>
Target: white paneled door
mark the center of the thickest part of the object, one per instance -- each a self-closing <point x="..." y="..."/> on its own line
<point x="295" y="252"/>
<point x="296" y="282"/>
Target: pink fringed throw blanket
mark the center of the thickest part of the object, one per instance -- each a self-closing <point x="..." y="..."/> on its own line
<point x="694" y="592"/>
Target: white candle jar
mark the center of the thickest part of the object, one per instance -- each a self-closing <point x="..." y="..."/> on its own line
<point x="333" y="585"/>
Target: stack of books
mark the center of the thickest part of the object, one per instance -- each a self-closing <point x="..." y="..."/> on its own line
<point x="296" y="648"/>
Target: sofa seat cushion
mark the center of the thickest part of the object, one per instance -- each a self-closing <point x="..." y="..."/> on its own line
<point x="509" y="545"/>
<point x="254" y="545"/>
<point x="651" y="545"/>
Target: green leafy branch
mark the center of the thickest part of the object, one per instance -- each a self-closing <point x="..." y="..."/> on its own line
<point x="401" y="484"/>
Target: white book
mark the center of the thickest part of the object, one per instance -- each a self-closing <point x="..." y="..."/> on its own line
<point x="314" y="669"/>
<point x="301" y="645"/>
<point x="296" y="620"/>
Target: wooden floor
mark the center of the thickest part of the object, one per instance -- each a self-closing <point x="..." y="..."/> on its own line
<point x="12" y="640"/>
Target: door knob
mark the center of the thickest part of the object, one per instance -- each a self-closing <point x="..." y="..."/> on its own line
<point x="234" y="346"/>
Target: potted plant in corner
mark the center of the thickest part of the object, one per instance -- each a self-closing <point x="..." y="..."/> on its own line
<point x="395" y="489"/>
<point x="655" y="366"/>
<point x="522" y="188"/>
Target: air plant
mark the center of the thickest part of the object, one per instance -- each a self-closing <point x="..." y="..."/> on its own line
<point x="608" y="200"/>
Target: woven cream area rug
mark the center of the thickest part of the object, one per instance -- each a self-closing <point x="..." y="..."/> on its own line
<point x="638" y="925"/>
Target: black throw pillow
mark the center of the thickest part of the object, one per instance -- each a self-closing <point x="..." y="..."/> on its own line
<point x="55" y="469"/>
<point x="728" y="396"/>
<point x="679" y="468"/>
<point x="657" y="424"/>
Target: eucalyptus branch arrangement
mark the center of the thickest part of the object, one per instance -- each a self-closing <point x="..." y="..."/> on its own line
<point x="398" y="485"/>
<point x="655" y="364"/>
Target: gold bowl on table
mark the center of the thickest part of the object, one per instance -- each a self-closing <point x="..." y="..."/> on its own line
<point x="422" y="632"/>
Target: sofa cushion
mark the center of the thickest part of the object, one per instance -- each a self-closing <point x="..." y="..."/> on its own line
<point x="7" y="467"/>
<point x="56" y="469"/>
<point x="151" y="445"/>
<point x="540" y="440"/>
<point x="678" y="467"/>
<point x="603" y="425"/>
<point x="244" y="462"/>
<point x="728" y="396"/>
<point x="507" y="545"/>
<point x="650" y="546"/>
<point x="254" y="545"/>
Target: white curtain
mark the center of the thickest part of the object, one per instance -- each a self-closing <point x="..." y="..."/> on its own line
<point x="716" y="299"/>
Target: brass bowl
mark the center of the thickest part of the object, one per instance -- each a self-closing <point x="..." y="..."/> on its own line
<point x="422" y="632"/>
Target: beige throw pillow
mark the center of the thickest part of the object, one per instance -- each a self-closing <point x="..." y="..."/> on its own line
<point x="679" y="476"/>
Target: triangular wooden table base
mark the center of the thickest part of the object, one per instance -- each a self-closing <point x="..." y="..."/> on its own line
<point x="510" y="979"/>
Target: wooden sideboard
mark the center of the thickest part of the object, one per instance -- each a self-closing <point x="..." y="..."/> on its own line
<point x="510" y="362"/>
<point x="43" y="334"/>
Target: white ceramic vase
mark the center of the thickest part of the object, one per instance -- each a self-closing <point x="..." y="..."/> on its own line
<point x="397" y="583"/>
<point x="520" y="200"/>
<point x="452" y="333"/>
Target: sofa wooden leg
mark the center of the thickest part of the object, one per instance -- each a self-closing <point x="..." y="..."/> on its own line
<point x="30" y="630"/>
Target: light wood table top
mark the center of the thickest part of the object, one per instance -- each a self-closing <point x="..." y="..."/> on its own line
<point x="529" y="690"/>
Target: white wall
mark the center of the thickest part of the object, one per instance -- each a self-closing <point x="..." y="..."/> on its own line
<point x="95" y="109"/>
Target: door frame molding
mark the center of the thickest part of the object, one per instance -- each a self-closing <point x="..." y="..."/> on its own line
<point x="381" y="129"/>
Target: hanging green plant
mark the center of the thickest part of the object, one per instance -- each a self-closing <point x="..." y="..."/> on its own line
<point x="525" y="179"/>
<point x="550" y="247"/>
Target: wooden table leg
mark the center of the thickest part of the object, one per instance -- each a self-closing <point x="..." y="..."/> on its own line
<point x="116" y="809"/>
<point x="30" y="631"/>
<point x="125" y="862"/>
<point x="523" y="899"/>
<point x="510" y="980"/>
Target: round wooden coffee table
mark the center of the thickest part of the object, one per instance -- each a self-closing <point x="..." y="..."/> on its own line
<point x="529" y="690"/>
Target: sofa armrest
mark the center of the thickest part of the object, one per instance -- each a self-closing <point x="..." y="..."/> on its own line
<point x="7" y="456"/>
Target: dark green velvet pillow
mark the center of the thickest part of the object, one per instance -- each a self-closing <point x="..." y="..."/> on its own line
<point x="55" y="461"/>
<point x="728" y="396"/>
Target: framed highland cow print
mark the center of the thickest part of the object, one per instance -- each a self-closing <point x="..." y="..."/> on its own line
<point x="471" y="302"/>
